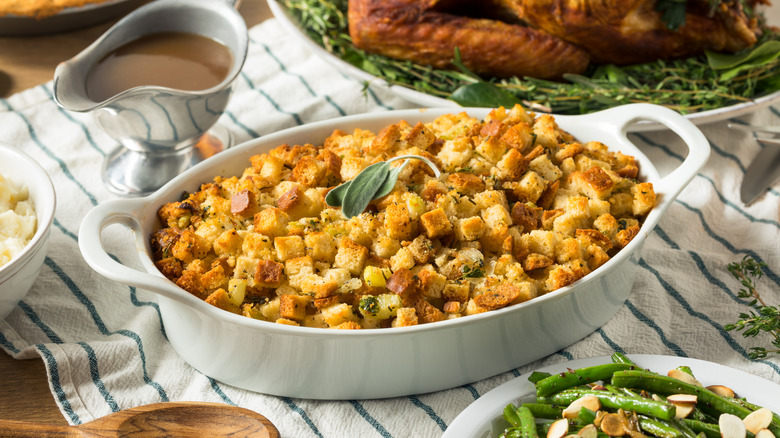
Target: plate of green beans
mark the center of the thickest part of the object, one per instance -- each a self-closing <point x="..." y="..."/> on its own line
<point x="634" y="396"/>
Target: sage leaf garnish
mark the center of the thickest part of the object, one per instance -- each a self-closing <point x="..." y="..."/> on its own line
<point x="373" y="182"/>
<point x="335" y="197"/>
<point x="363" y="188"/>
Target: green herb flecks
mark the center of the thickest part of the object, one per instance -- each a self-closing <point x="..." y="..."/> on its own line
<point x="764" y="318"/>
<point x="686" y="85"/>
<point x="373" y="182"/>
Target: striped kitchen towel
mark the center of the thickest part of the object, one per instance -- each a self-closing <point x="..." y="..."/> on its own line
<point x="105" y="348"/>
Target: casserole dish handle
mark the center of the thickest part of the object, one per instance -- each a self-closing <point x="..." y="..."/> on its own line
<point x="698" y="146"/>
<point x="126" y="212"/>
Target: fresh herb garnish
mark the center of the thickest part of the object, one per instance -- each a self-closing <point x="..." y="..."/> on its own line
<point x="687" y="85"/>
<point x="672" y="12"/>
<point x="373" y="182"/>
<point x="764" y="318"/>
<point x="469" y="272"/>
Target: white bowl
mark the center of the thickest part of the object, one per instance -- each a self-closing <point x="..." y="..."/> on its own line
<point x="359" y="364"/>
<point x="18" y="275"/>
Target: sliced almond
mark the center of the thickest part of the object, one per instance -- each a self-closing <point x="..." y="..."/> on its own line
<point x="685" y="377"/>
<point x="723" y="391"/>
<point x="682" y="410"/>
<point x="758" y="420"/>
<point x="682" y="399"/>
<point x="613" y="425"/>
<point x="558" y="429"/>
<point x="731" y="426"/>
<point x="765" y="433"/>
<point x="589" y="431"/>
<point x="587" y="401"/>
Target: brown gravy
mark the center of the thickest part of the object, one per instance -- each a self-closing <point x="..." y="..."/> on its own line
<point x="179" y="60"/>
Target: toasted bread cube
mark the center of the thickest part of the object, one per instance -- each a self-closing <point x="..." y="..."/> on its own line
<point x="431" y="283"/>
<point x="214" y="278"/>
<point x="419" y="137"/>
<point x="309" y="171"/>
<point x="466" y="183"/>
<point x="519" y="136"/>
<point x="351" y="167"/>
<point x="257" y="246"/>
<point x="456" y="291"/>
<point x="397" y="221"/>
<point x="498" y="296"/>
<point x="320" y="246"/>
<point x="530" y="187"/>
<point x="338" y="314"/>
<point x="220" y="298"/>
<point x="427" y="312"/>
<point x="288" y="247"/>
<point x="402" y="259"/>
<point x="406" y="316"/>
<point x="435" y="223"/>
<point x="351" y="256"/>
<point x="471" y="228"/>
<point x="269" y="273"/>
<point x="455" y="153"/>
<point x="492" y="148"/>
<point x="644" y="198"/>
<point x="297" y="269"/>
<point x="545" y="168"/>
<point x="421" y="248"/>
<point x="293" y="306"/>
<point x="512" y="166"/>
<point x="228" y="243"/>
<point x="271" y="221"/>
<point x="190" y="246"/>
<point x="593" y="183"/>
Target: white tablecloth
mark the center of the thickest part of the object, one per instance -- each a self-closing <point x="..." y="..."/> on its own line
<point x="105" y="349"/>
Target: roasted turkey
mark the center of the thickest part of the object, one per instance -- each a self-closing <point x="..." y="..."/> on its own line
<point x="545" y="38"/>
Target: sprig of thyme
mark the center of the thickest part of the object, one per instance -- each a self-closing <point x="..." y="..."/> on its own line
<point x="763" y="318"/>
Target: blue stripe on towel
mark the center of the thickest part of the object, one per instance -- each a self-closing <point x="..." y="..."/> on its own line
<point x="101" y="326"/>
<point x="218" y="390"/>
<point x="665" y="237"/>
<point x="94" y="372"/>
<point x="83" y="127"/>
<point x="276" y="106"/>
<point x="7" y="344"/>
<point x="650" y="323"/>
<point x="473" y="390"/>
<point x="300" y="78"/>
<point x="38" y="322"/>
<point x="612" y="344"/>
<point x="768" y="270"/>
<point x="295" y="408"/>
<point x="252" y="133"/>
<point x="428" y="410"/>
<point x="51" y="155"/>
<point x="674" y="293"/>
<point x="56" y="385"/>
<point x="371" y="420"/>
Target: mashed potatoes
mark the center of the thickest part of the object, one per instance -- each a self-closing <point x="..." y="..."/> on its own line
<point x="17" y="219"/>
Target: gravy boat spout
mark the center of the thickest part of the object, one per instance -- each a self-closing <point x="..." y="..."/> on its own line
<point x="160" y="130"/>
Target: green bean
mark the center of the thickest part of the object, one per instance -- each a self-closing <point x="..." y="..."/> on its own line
<point x="510" y="415"/>
<point x="512" y="432"/>
<point x="686" y="370"/>
<point x="586" y="416"/>
<point x="659" y="409"/>
<point x="707" y="400"/>
<point x="709" y="429"/>
<point x="618" y="357"/>
<point x="658" y="428"/>
<point x="527" y="423"/>
<point x="568" y="379"/>
<point x="544" y="410"/>
<point x="537" y="376"/>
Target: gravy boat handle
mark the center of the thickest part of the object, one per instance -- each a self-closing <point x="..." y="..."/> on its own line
<point x="126" y="212"/>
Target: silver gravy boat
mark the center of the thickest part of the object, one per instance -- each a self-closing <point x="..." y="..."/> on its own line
<point x="161" y="131"/>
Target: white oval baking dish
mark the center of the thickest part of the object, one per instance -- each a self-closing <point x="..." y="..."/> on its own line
<point x="360" y="364"/>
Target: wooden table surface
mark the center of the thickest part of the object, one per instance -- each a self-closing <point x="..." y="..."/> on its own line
<point x="24" y="63"/>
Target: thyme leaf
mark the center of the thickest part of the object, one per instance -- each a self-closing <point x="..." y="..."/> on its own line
<point x="762" y="318"/>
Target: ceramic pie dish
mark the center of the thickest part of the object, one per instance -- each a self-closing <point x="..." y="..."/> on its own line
<point x="319" y="363"/>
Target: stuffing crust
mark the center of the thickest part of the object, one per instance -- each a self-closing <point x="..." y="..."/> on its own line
<point x="521" y="209"/>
